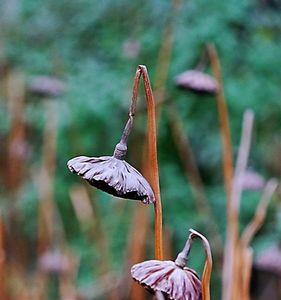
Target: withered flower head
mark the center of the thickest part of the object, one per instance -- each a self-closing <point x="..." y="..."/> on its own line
<point x="113" y="174"/>
<point x="47" y="86"/>
<point x="54" y="262"/>
<point x="252" y="181"/>
<point x="197" y="82"/>
<point x="270" y="260"/>
<point x="173" y="279"/>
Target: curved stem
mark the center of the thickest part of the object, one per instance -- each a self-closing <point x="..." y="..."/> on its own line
<point x="206" y="277"/>
<point x="152" y="155"/>
<point x="121" y="149"/>
<point x="181" y="259"/>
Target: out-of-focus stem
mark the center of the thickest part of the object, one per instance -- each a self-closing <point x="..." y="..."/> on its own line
<point x="227" y="168"/>
<point x="192" y="174"/>
<point x="224" y="122"/>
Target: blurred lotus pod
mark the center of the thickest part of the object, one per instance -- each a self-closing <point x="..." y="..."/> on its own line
<point x="46" y="86"/>
<point x="270" y="260"/>
<point x="54" y="262"/>
<point x="197" y="82"/>
<point x="114" y="176"/>
<point x="131" y="48"/>
<point x="165" y="276"/>
<point x="252" y="181"/>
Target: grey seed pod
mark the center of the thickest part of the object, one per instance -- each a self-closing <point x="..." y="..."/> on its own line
<point x="54" y="262"/>
<point x="165" y="276"/>
<point x="114" y="176"/>
<point x="173" y="279"/>
<point x="252" y="181"/>
<point x="270" y="260"/>
<point x="197" y="82"/>
<point x="46" y="86"/>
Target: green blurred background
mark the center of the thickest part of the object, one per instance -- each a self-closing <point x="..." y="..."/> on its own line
<point x="94" y="47"/>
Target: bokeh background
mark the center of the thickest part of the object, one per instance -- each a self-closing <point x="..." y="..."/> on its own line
<point x="60" y="238"/>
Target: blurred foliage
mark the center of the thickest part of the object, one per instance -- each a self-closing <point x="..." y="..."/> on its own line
<point x="86" y="44"/>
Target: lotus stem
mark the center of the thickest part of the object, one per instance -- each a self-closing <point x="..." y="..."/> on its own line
<point x="152" y="154"/>
<point x="206" y="277"/>
<point x="153" y="173"/>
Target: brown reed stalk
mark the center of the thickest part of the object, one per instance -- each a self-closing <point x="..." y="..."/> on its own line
<point x="192" y="174"/>
<point x="152" y="155"/>
<point x="88" y="216"/>
<point x="17" y="135"/>
<point x="153" y="176"/>
<point x="15" y="162"/>
<point x="47" y="212"/>
<point x="224" y="122"/>
<point x="240" y="168"/>
<point x="227" y="169"/>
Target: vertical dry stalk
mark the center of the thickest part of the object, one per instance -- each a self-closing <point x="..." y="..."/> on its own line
<point x="227" y="166"/>
<point x="240" y="169"/>
<point x="17" y="135"/>
<point x="230" y="275"/>
<point x="152" y="154"/>
<point x="153" y="176"/>
<point x="46" y="213"/>
<point x="15" y="162"/>
<point x="224" y="122"/>
<point x="192" y="174"/>
<point x="88" y="215"/>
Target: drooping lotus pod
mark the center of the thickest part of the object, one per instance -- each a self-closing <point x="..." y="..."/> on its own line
<point x="252" y="181"/>
<point x="197" y="82"/>
<point x="112" y="174"/>
<point x="172" y="278"/>
<point x="47" y="86"/>
<point x="270" y="260"/>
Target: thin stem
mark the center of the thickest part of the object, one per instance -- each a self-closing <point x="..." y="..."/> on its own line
<point x="121" y="148"/>
<point x="231" y="266"/>
<point x="192" y="174"/>
<point x="181" y="259"/>
<point x="224" y="121"/>
<point x="206" y="277"/>
<point x="152" y="154"/>
<point x="227" y="162"/>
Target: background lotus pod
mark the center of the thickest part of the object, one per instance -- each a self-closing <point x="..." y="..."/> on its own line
<point x="46" y="86"/>
<point x="165" y="276"/>
<point x="55" y="262"/>
<point x="252" y="181"/>
<point x="114" y="176"/>
<point x="197" y="82"/>
<point x="270" y="260"/>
